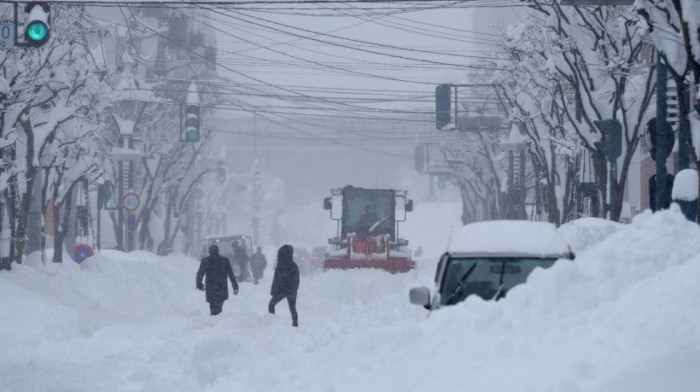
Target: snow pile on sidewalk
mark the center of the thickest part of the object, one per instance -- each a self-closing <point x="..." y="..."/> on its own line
<point x="624" y="314"/>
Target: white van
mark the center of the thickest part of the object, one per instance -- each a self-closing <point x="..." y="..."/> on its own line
<point x="489" y="258"/>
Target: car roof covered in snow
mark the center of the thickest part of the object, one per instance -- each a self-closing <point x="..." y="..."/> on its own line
<point x="509" y="238"/>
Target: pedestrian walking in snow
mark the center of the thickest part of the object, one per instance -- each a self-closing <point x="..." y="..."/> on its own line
<point x="285" y="283"/>
<point x="240" y="257"/>
<point x="258" y="263"/>
<point x="215" y="269"/>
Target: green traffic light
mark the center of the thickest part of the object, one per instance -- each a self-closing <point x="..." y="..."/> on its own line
<point x="221" y="178"/>
<point x="192" y="135"/>
<point x="37" y="32"/>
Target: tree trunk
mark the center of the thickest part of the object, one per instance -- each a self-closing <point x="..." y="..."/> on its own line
<point x="601" y="171"/>
<point x="61" y="225"/>
<point x="26" y="197"/>
<point x="165" y="246"/>
<point x="22" y="218"/>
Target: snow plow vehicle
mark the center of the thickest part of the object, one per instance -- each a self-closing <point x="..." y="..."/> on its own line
<point x="368" y="231"/>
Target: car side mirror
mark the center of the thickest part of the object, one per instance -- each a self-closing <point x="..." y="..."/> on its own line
<point x="327" y="205"/>
<point x="420" y="296"/>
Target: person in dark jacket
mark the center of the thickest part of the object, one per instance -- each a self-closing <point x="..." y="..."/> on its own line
<point x="216" y="268"/>
<point x="240" y="257"/>
<point x="366" y="221"/>
<point x="258" y="263"/>
<point x="285" y="283"/>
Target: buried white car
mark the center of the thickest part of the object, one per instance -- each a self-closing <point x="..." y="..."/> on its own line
<point x="489" y="258"/>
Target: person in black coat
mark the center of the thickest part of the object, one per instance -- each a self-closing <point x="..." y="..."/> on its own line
<point x="216" y="268"/>
<point x="258" y="263"/>
<point x="240" y="257"/>
<point x="285" y="283"/>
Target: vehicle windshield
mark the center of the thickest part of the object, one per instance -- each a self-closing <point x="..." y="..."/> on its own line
<point x="486" y="277"/>
<point x="368" y="212"/>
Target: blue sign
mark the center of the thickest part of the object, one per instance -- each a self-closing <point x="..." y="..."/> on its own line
<point x="131" y="223"/>
<point x="82" y="252"/>
<point x="7" y="35"/>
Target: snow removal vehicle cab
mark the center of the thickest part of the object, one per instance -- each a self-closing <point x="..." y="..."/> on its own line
<point x="487" y="259"/>
<point x="368" y="230"/>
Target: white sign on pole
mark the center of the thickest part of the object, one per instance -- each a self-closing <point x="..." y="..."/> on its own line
<point x="131" y="201"/>
<point x="7" y="35"/>
<point x="159" y="137"/>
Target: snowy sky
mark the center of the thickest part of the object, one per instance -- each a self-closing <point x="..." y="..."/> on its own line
<point x="385" y="103"/>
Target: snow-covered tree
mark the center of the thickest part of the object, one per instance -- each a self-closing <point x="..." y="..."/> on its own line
<point x="590" y="60"/>
<point x="674" y="26"/>
<point x="536" y="109"/>
<point x="163" y="55"/>
<point x="43" y="90"/>
<point x="479" y="169"/>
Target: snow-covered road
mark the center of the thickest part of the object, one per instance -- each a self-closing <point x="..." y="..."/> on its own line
<point x="134" y="322"/>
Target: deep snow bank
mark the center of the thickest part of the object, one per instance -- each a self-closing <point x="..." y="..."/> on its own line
<point x="630" y="298"/>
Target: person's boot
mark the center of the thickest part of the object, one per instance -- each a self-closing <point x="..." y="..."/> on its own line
<point x="295" y="323"/>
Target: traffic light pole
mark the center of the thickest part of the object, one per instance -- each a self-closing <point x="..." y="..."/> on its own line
<point x="683" y="155"/>
<point x="661" y="172"/>
<point x="613" y="193"/>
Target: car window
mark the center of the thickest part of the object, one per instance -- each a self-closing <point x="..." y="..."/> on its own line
<point x="486" y="276"/>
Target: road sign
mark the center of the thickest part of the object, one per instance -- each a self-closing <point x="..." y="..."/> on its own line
<point x="7" y="35"/>
<point x="131" y="201"/>
<point x="131" y="223"/>
<point x="82" y="252"/>
<point x="159" y="137"/>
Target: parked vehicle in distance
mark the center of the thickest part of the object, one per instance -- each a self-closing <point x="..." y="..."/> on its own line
<point x="225" y="244"/>
<point x="318" y="254"/>
<point x="301" y="257"/>
<point x="490" y="258"/>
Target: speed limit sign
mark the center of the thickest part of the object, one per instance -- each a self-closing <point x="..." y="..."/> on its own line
<point x="130" y="201"/>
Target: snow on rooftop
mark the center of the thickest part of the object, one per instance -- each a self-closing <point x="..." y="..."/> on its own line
<point x="522" y="237"/>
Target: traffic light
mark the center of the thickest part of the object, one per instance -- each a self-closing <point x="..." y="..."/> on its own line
<point x="191" y="124"/>
<point x="421" y="158"/>
<point x="443" y="105"/>
<point x="37" y="28"/>
<point x="667" y="134"/>
<point x="256" y="182"/>
<point x="221" y="171"/>
<point x="611" y="142"/>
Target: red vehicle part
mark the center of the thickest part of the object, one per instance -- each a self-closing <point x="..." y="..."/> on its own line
<point x="373" y="252"/>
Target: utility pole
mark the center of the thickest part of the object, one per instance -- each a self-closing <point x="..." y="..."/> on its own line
<point x="256" y="183"/>
<point x="661" y="172"/>
<point x="683" y="155"/>
<point x="120" y="195"/>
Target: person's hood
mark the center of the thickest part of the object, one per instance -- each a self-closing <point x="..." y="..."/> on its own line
<point x="285" y="253"/>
